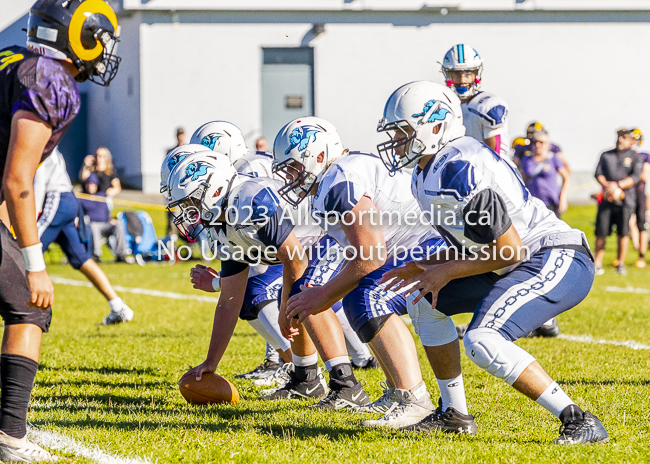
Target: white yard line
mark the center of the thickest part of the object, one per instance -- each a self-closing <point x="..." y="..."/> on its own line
<point x="207" y="299"/>
<point x="59" y="442"/>
<point x="588" y="339"/>
<point x="141" y="291"/>
<point x="627" y="290"/>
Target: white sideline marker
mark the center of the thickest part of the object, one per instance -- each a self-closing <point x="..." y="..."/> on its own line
<point x="627" y="290"/>
<point x="60" y="442"/>
<point x="141" y="291"/>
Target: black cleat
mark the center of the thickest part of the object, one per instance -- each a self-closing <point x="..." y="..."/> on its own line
<point x="266" y="369"/>
<point x="449" y="421"/>
<point x="580" y="427"/>
<point x="343" y="397"/>
<point x="314" y="387"/>
<point x="548" y="329"/>
<point x="371" y="364"/>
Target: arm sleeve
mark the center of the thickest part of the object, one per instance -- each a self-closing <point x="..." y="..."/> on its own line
<point x="276" y="230"/>
<point x="342" y="198"/>
<point x="231" y="268"/>
<point x="485" y="231"/>
<point x="599" y="168"/>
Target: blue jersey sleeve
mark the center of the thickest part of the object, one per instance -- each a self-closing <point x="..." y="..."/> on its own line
<point x="342" y="198"/>
<point x="276" y="230"/>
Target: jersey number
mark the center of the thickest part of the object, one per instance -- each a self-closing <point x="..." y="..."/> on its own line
<point x="7" y="57"/>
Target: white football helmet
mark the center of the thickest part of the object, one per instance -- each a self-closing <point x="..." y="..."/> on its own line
<point x="462" y="58"/>
<point x="222" y="137"/>
<point x="297" y="151"/>
<point x="199" y="186"/>
<point x="424" y="117"/>
<point x="174" y="157"/>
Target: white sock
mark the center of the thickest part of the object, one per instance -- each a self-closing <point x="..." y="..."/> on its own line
<point x="268" y="318"/>
<point x="452" y="392"/>
<point x="116" y="304"/>
<point x="271" y="354"/>
<point x="554" y="400"/>
<point x="305" y="361"/>
<point x="330" y="363"/>
<point x="359" y="351"/>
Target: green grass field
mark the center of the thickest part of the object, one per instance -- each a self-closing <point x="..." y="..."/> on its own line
<point x="115" y="387"/>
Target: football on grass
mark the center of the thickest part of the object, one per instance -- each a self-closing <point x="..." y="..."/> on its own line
<point x="211" y="389"/>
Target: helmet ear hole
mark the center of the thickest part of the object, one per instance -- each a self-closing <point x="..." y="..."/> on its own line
<point x="436" y="128"/>
<point x="217" y="192"/>
<point x="320" y="157"/>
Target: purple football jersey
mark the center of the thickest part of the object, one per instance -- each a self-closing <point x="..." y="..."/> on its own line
<point x="39" y="85"/>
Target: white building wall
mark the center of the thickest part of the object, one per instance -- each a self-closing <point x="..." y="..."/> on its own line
<point x="114" y="118"/>
<point x="582" y="80"/>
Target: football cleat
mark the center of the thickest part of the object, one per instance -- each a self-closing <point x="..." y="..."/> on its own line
<point x="383" y="403"/>
<point x="279" y="377"/>
<point x="411" y="407"/>
<point x="22" y="450"/>
<point x="264" y="370"/>
<point x="371" y="363"/>
<point x="620" y="270"/>
<point x="548" y="329"/>
<point x="117" y="317"/>
<point x="449" y="421"/>
<point x="343" y="397"/>
<point x="599" y="270"/>
<point x="580" y="427"/>
<point x="315" y="387"/>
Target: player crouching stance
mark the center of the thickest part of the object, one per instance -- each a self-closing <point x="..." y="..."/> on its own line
<point x="246" y="217"/>
<point x="509" y="292"/>
<point x="364" y="209"/>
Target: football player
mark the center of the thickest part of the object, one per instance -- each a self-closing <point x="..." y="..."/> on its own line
<point x="485" y="114"/>
<point x="257" y="230"/>
<point x="67" y="41"/>
<point x="346" y="191"/>
<point x="58" y="211"/>
<point x="519" y="264"/>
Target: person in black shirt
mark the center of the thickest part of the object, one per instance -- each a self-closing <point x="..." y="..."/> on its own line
<point x="618" y="171"/>
<point x="38" y="100"/>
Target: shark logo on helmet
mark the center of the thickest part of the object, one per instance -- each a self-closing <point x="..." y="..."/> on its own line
<point x="301" y="136"/>
<point x="210" y="140"/>
<point x="194" y="171"/>
<point x="439" y="115"/>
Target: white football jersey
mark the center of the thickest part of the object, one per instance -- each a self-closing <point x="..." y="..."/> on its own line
<point x="357" y="174"/>
<point x="466" y="172"/>
<point x="51" y="176"/>
<point x="486" y="116"/>
<point x="256" y="164"/>
<point x="258" y="222"/>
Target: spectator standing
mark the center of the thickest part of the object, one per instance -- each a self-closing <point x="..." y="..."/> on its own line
<point x="524" y="147"/>
<point x="639" y="223"/>
<point x="618" y="172"/>
<point x="540" y="172"/>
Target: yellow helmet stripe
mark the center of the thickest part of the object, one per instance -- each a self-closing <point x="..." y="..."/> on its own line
<point x="84" y="10"/>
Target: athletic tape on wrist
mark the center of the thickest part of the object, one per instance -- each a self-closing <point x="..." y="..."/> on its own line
<point x="33" y="256"/>
<point x="216" y="284"/>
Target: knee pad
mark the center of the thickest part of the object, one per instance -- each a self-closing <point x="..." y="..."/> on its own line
<point x="493" y="353"/>
<point x="433" y="327"/>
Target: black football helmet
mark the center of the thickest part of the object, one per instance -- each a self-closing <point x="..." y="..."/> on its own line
<point x="85" y="31"/>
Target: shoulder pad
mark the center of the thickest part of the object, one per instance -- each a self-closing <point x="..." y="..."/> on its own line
<point x="253" y="202"/>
